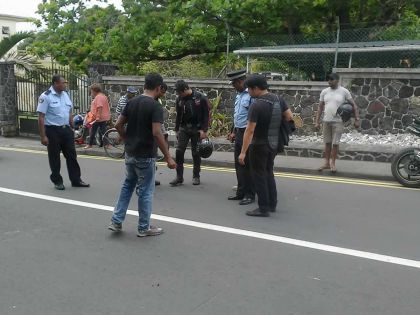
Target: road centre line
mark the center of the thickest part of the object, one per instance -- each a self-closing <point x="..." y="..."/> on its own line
<point x="229" y="230"/>
<point x="340" y="180"/>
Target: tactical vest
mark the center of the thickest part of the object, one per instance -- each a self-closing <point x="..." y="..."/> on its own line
<point x="275" y="123"/>
<point x="278" y="132"/>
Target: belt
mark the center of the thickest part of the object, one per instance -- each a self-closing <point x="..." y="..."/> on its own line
<point x="190" y="125"/>
<point x="241" y="129"/>
<point x="57" y="127"/>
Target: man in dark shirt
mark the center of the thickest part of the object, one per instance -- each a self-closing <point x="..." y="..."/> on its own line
<point x="192" y="122"/>
<point x="143" y="116"/>
<point x="256" y="138"/>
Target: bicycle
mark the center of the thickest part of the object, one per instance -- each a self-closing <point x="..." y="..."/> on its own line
<point x="115" y="145"/>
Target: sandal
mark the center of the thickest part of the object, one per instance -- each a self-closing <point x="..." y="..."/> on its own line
<point x="324" y="167"/>
<point x="333" y="169"/>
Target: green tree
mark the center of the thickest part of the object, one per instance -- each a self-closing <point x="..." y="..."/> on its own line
<point x="165" y="30"/>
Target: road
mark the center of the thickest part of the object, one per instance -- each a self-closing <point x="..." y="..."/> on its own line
<point x="335" y="246"/>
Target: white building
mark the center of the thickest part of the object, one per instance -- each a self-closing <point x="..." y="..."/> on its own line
<point x="8" y="24"/>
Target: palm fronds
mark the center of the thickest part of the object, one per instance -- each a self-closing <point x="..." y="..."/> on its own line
<point x="8" y="43"/>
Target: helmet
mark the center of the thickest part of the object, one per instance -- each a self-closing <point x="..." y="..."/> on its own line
<point x="205" y="148"/>
<point x="77" y="121"/>
<point x="345" y="111"/>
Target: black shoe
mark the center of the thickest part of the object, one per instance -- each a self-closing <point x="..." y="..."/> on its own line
<point x="157" y="183"/>
<point x="196" y="181"/>
<point x="235" y="197"/>
<point x="177" y="181"/>
<point x="246" y="201"/>
<point x="258" y="213"/>
<point x="80" y="184"/>
<point x="59" y="186"/>
<point x="272" y="209"/>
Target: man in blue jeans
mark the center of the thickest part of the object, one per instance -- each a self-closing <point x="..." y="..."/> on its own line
<point x="143" y="116"/>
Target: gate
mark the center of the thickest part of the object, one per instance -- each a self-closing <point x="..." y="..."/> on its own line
<point x="31" y="84"/>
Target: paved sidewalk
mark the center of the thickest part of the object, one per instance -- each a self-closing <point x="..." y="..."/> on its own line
<point x="351" y="169"/>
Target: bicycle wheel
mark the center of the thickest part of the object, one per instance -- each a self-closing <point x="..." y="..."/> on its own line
<point x="113" y="145"/>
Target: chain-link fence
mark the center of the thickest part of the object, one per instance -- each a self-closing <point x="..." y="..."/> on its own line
<point x="377" y="47"/>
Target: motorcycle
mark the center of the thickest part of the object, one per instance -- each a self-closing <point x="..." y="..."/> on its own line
<point x="82" y="123"/>
<point x="405" y="166"/>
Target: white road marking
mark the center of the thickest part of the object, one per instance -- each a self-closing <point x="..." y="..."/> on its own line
<point x="229" y="230"/>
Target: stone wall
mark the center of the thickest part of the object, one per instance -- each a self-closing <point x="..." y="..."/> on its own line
<point x="302" y="97"/>
<point x="387" y="98"/>
<point x="8" y="101"/>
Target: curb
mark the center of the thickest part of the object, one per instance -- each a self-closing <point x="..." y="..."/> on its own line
<point x="230" y="164"/>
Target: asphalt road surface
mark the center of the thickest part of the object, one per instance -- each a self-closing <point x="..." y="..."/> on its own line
<point x="335" y="246"/>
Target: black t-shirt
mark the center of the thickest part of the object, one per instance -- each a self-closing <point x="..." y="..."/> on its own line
<point x="141" y="112"/>
<point x="260" y="113"/>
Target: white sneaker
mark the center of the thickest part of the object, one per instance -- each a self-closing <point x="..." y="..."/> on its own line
<point x="152" y="231"/>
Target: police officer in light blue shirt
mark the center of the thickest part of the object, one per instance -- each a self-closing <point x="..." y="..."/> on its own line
<point x="245" y="192"/>
<point x="55" y="122"/>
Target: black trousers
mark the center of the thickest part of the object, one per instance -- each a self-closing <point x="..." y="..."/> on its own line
<point x="243" y="172"/>
<point x="61" y="139"/>
<point x="261" y="158"/>
<point x="101" y="126"/>
<point x="184" y="136"/>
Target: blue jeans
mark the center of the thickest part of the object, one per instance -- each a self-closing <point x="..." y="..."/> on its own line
<point x="140" y="175"/>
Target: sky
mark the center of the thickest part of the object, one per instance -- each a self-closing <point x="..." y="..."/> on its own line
<point x="27" y="8"/>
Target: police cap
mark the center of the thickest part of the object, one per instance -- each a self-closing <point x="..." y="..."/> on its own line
<point x="237" y="74"/>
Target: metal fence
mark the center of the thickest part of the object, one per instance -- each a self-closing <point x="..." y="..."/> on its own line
<point x="314" y="66"/>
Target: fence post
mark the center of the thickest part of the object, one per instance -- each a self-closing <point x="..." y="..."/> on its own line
<point x="8" y="100"/>
<point x="98" y="69"/>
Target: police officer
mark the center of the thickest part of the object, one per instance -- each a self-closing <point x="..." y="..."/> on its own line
<point x="55" y="122"/>
<point x="192" y="122"/>
<point x="245" y="191"/>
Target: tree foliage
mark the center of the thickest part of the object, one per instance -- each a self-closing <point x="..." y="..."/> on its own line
<point x="75" y="32"/>
<point x="7" y="43"/>
<point x="21" y="58"/>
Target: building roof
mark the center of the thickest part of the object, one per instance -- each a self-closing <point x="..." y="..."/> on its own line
<point x="352" y="47"/>
<point x="14" y="18"/>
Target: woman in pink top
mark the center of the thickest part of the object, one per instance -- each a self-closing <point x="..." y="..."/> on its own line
<point x="101" y="111"/>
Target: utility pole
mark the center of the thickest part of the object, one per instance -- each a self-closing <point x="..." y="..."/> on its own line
<point x="338" y="40"/>
<point x="227" y="45"/>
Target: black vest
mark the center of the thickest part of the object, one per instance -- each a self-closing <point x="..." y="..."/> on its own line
<point x="275" y="123"/>
<point x="278" y="131"/>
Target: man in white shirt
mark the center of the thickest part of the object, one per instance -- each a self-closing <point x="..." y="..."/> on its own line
<point x="331" y="98"/>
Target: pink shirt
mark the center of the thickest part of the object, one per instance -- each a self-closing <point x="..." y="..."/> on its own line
<point x="101" y="101"/>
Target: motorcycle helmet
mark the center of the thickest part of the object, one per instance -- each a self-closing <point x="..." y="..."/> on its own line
<point x="205" y="148"/>
<point x="345" y="111"/>
<point x="77" y="121"/>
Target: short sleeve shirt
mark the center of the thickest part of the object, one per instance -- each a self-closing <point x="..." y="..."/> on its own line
<point x="141" y="112"/>
<point x="101" y="101"/>
<point x="260" y="113"/>
<point x="333" y="98"/>
<point x="242" y="103"/>
<point x="55" y="106"/>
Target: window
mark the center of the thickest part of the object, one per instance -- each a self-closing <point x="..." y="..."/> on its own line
<point x="5" y="30"/>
